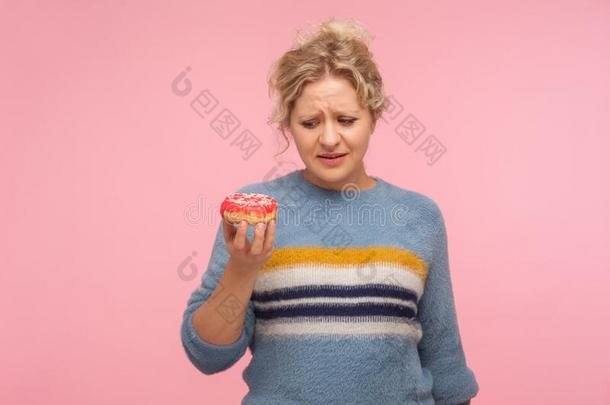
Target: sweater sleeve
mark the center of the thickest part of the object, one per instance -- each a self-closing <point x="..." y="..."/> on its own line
<point x="440" y="348"/>
<point x="207" y="357"/>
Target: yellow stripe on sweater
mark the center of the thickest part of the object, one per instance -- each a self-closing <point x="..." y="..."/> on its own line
<point x="346" y="257"/>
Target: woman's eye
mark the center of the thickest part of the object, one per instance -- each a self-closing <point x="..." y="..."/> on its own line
<point x="311" y="124"/>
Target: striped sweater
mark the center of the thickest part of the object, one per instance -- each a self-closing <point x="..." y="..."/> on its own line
<point x="355" y="305"/>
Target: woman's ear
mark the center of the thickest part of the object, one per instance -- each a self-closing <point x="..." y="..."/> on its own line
<point x="373" y="121"/>
<point x="288" y="128"/>
<point x="289" y="133"/>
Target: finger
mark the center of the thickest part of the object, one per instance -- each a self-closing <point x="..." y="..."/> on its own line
<point x="228" y="231"/>
<point x="241" y="236"/>
<point x="270" y="235"/>
<point x="259" y="236"/>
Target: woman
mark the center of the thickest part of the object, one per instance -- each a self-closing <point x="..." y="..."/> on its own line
<point x="334" y="309"/>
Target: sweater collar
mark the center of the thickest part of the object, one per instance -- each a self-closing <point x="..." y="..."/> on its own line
<point x="349" y="194"/>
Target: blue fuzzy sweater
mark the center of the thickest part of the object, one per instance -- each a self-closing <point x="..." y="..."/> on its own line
<point x="355" y="305"/>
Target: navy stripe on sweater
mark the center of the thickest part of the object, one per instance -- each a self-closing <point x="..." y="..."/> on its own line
<point x="312" y="291"/>
<point x="333" y="309"/>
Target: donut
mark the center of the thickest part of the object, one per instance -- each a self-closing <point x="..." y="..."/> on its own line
<point x="251" y="207"/>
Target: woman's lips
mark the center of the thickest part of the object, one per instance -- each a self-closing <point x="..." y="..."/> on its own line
<point x="331" y="162"/>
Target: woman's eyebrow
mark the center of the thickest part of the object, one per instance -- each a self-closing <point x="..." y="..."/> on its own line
<point x="354" y="112"/>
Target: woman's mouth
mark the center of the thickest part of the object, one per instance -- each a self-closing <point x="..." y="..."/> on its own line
<point x="332" y="160"/>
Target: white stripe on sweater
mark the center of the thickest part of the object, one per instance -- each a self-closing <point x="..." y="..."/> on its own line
<point x="350" y="275"/>
<point x="333" y="300"/>
<point x="300" y="327"/>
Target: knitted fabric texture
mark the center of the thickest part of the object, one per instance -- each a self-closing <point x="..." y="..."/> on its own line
<point x="355" y="305"/>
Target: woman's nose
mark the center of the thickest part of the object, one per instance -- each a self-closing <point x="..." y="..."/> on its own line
<point x="330" y="136"/>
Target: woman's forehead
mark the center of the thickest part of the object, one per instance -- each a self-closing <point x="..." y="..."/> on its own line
<point x="330" y="94"/>
<point x="340" y="104"/>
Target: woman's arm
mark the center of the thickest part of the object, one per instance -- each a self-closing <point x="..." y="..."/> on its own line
<point x="440" y="349"/>
<point x="218" y="319"/>
<point x="218" y="323"/>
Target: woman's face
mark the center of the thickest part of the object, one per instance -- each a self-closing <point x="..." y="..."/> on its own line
<point x="327" y="119"/>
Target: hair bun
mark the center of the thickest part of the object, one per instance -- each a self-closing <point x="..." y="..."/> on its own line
<point x="341" y="29"/>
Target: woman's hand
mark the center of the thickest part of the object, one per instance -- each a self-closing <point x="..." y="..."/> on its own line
<point x="244" y="253"/>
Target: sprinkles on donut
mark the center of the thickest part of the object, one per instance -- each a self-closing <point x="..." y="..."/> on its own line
<point x="250" y="207"/>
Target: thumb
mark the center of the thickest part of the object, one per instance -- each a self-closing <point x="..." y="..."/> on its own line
<point x="229" y="231"/>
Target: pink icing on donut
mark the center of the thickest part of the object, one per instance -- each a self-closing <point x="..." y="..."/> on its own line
<point x="251" y="207"/>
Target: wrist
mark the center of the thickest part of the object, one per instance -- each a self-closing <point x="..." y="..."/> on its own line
<point x="244" y="270"/>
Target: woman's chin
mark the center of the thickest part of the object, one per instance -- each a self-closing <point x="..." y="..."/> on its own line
<point x="330" y="175"/>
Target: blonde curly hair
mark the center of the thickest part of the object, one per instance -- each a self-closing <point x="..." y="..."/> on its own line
<point x="336" y="48"/>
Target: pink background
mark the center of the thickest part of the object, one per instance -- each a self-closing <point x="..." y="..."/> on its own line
<point x="111" y="180"/>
